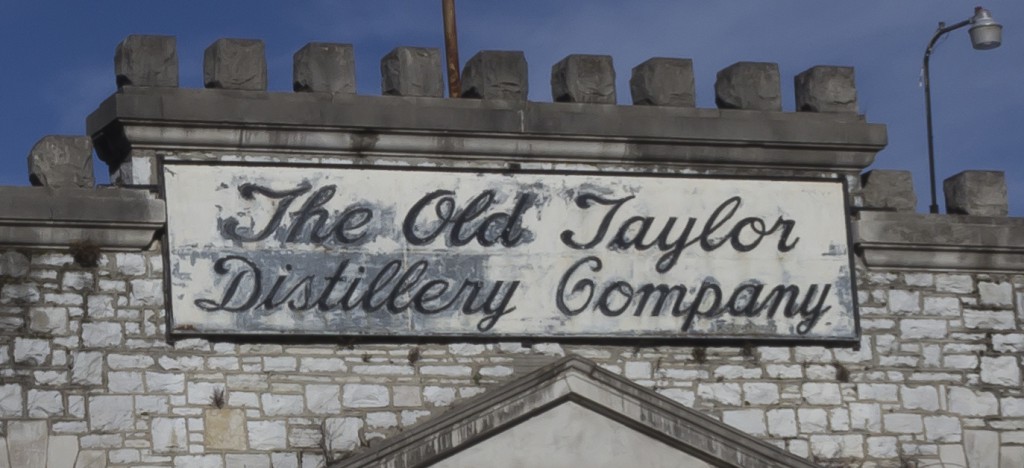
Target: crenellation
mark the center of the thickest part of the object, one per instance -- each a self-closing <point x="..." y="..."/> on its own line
<point x="749" y="86"/>
<point x="584" y="78"/>
<point x="412" y="71"/>
<point x="321" y="67"/>
<point x="493" y="74"/>
<point x="235" y="64"/>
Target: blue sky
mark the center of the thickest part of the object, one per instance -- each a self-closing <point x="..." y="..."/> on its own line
<point x="58" y="58"/>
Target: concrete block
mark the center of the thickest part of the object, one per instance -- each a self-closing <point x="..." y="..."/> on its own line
<point x="982" y="448"/>
<point x="749" y="85"/>
<point x="225" y="429"/>
<point x="27" y="442"/>
<point x="495" y="74"/>
<point x="412" y="71"/>
<point x="826" y="89"/>
<point x="889" y="190"/>
<point x="321" y="67"/>
<point x="663" y="82"/>
<point x="146" y="61"/>
<point x="978" y="193"/>
<point x="584" y="78"/>
<point x="61" y="161"/>
<point x="63" y="451"/>
<point x="235" y="64"/>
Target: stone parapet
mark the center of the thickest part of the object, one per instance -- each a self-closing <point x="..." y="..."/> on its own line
<point x="936" y="242"/>
<point x="109" y="219"/>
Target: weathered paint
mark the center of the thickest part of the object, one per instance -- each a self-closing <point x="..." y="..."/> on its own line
<point x="403" y="252"/>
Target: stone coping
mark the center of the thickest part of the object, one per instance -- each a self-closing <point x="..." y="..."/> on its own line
<point x="584" y="382"/>
<point x="110" y="218"/>
<point x="890" y="240"/>
<point x="317" y="123"/>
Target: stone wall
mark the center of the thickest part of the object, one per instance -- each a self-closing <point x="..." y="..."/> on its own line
<point x="87" y="364"/>
<point x="90" y="376"/>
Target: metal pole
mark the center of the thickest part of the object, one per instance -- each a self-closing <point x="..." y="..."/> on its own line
<point x="934" y="208"/>
<point x="451" y="48"/>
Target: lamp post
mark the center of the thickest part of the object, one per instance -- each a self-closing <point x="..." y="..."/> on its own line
<point x="986" y="34"/>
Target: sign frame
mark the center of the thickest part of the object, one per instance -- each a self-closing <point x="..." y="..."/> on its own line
<point x="176" y="332"/>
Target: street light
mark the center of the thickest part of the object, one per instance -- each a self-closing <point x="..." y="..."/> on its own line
<point x="986" y="34"/>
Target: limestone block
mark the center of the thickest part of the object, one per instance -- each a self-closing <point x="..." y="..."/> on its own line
<point x="866" y="416"/>
<point x="5" y="459"/>
<point x="584" y="78"/>
<point x="27" y="443"/>
<point x="32" y="351"/>
<point x="978" y="193"/>
<point x="996" y="294"/>
<point x="282" y="405"/>
<point x="982" y="448"/>
<point x="44" y="404"/>
<point x="989" y="319"/>
<point x="782" y="423"/>
<point x="466" y="349"/>
<point x="19" y="294"/>
<point x="323" y="399"/>
<point x="822" y="393"/>
<point x="750" y="421"/>
<point x="494" y="74"/>
<point x="924" y="398"/>
<point x="826" y="89"/>
<point x="382" y="420"/>
<point x="322" y="67"/>
<point x="343" y="433"/>
<point x="61" y="161"/>
<point x="62" y="452"/>
<point x="760" y="393"/>
<point x="146" y="61"/>
<point x="169" y="435"/>
<point x="663" y="82"/>
<point x="913" y="329"/>
<point x="952" y="455"/>
<point x="724" y="393"/>
<point x="409" y="417"/>
<point x="1001" y="370"/>
<point x="438" y="396"/>
<point x="101" y="334"/>
<point x="87" y="368"/>
<point x="233" y="460"/>
<point x="13" y="264"/>
<point x="749" y="85"/>
<point x="966" y="402"/>
<point x="883" y="447"/>
<point x="412" y="71"/>
<point x="889" y="190"/>
<point x="49" y="320"/>
<point x="942" y="428"/>
<point x="1011" y="457"/>
<point x="903" y="423"/>
<point x="266" y="435"/>
<point x="225" y="429"/>
<point x="91" y="459"/>
<point x="235" y="64"/>
<point x="407" y="396"/>
<point x="111" y="413"/>
<point x="365" y="396"/>
<point x="10" y="401"/>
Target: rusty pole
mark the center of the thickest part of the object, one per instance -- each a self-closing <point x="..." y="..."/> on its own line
<point x="451" y="49"/>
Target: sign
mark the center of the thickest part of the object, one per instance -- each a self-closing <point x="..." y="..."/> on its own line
<point x="403" y="252"/>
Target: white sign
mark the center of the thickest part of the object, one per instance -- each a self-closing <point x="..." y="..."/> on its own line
<point x="402" y="252"/>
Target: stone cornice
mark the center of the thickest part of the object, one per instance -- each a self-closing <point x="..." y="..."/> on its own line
<point x="515" y="131"/>
<point x="109" y="218"/>
<point x="890" y="240"/>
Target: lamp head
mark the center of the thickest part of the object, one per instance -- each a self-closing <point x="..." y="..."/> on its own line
<point x="985" y="32"/>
